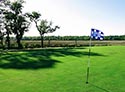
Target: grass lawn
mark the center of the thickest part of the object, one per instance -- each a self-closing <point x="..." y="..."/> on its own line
<point x="63" y="70"/>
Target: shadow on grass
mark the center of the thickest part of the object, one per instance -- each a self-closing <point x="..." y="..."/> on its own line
<point x="38" y="58"/>
<point x="103" y="89"/>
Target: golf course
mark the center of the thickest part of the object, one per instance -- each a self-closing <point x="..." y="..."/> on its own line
<point x="63" y="70"/>
<point x="62" y="46"/>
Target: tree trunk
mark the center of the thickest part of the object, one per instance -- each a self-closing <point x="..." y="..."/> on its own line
<point x="19" y="42"/>
<point x="49" y="42"/>
<point x="2" y="42"/>
<point x="42" y="41"/>
<point x="8" y="40"/>
<point x="76" y="43"/>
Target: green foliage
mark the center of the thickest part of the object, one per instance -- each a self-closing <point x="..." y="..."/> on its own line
<point x="16" y="7"/>
<point x="14" y="21"/>
<point x="20" y="24"/>
<point x="44" y="28"/>
<point x="34" y="16"/>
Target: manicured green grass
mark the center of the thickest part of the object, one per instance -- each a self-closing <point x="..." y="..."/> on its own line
<point x="63" y="70"/>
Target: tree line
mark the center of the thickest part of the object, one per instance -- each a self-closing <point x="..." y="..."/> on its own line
<point x="14" y="22"/>
<point x="84" y="38"/>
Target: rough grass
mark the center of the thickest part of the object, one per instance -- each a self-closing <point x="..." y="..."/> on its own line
<point x="63" y="70"/>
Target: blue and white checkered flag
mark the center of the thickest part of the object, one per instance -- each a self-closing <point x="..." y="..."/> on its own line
<point x="97" y="34"/>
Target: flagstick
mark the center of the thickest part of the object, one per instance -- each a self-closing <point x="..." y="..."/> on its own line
<point x="88" y="68"/>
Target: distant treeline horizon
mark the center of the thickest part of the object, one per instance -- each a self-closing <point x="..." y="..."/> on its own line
<point x="111" y="37"/>
<point x="64" y="41"/>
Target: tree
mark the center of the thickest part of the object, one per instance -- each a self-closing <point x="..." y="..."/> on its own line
<point x="8" y="25"/>
<point x="16" y="21"/>
<point x="4" y="23"/>
<point x="44" y="26"/>
<point x="1" y="26"/>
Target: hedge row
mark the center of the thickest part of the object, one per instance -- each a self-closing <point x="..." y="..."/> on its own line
<point x="53" y="43"/>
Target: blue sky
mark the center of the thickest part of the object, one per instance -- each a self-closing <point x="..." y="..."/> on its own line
<point x="77" y="17"/>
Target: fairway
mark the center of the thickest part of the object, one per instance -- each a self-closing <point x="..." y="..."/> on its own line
<point x="63" y="70"/>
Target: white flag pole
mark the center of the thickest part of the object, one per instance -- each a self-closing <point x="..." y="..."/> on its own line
<point x="89" y="59"/>
<point x="96" y="34"/>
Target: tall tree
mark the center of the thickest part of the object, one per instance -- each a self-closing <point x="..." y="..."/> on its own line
<point x="4" y="23"/>
<point x="16" y="21"/>
<point x="1" y="24"/>
<point x="8" y="25"/>
<point x="44" y="26"/>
